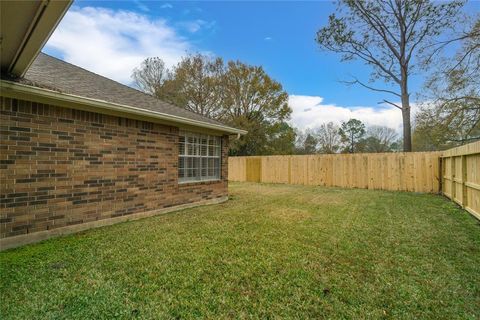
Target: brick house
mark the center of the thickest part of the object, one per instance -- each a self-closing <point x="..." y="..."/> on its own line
<point x="78" y="150"/>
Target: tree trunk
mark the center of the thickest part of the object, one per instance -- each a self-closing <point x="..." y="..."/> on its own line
<point x="407" y="130"/>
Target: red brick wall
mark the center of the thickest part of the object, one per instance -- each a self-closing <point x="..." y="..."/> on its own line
<point x="60" y="167"/>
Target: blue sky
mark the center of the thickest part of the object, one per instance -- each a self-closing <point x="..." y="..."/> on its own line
<point x="111" y="37"/>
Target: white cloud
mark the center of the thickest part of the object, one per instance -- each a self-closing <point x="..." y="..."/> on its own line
<point x="268" y="38"/>
<point x="112" y="43"/>
<point x="310" y="112"/>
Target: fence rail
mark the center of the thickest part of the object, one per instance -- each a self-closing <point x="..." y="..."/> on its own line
<point x="461" y="176"/>
<point x="455" y="172"/>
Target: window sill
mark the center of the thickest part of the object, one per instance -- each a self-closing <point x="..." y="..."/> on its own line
<point x="210" y="181"/>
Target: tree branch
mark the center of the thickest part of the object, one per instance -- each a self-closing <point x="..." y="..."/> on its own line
<point x="377" y="24"/>
<point x="442" y="44"/>
<point x="369" y="58"/>
<point x="393" y="104"/>
<point x="356" y="81"/>
<point x="465" y="139"/>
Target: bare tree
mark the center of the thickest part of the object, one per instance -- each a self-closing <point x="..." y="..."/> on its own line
<point x="306" y="142"/>
<point x="328" y="138"/>
<point x="380" y="139"/>
<point x="151" y="75"/>
<point x="389" y="36"/>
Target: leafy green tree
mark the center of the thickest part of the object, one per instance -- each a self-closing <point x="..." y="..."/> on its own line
<point x="255" y="102"/>
<point x="197" y="80"/>
<point x="280" y="139"/>
<point x="249" y="91"/>
<point x="262" y="138"/>
<point x="251" y="143"/>
<point x="195" y="83"/>
<point x="310" y="144"/>
<point x="429" y="134"/>
<point x="390" y="36"/>
<point x="238" y="94"/>
<point x="352" y="133"/>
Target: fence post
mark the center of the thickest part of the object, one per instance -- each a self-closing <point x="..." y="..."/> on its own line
<point x="453" y="187"/>
<point x="441" y="174"/>
<point x="464" y="181"/>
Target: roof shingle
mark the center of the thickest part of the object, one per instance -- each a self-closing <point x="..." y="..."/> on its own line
<point x="54" y="74"/>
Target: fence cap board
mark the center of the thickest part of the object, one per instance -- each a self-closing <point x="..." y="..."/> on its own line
<point x="360" y="154"/>
<point x="471" y="148"/>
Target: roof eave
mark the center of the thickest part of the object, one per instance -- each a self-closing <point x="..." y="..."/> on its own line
<point x="49" y="15"/>
<point x="14" y="87"/>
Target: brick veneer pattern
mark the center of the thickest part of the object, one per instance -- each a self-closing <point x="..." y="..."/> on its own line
<point x="61" y="167"/>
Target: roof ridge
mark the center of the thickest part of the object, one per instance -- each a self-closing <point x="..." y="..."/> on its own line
<point x="124" y="85"/>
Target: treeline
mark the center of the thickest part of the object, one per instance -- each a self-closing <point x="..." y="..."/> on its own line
<point x="235" y="93"/>
<point x="351" y="136"/>
<point x="246" y="97"/>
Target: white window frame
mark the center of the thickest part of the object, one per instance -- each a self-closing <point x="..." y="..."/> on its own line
<point x="199" y="157"/>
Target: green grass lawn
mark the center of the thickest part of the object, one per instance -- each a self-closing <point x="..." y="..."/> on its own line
<point x="272" y="251"/>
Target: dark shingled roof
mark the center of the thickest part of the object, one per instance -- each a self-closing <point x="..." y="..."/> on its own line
<point x="54" y="74"/>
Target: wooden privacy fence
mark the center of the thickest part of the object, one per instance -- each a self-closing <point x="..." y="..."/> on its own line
<point x="455" y="172"/>
<point x="461" y="176"/>
<point x="418" y="171"/>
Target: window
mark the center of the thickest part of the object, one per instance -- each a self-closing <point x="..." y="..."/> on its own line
<point x="199" y="157"/>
